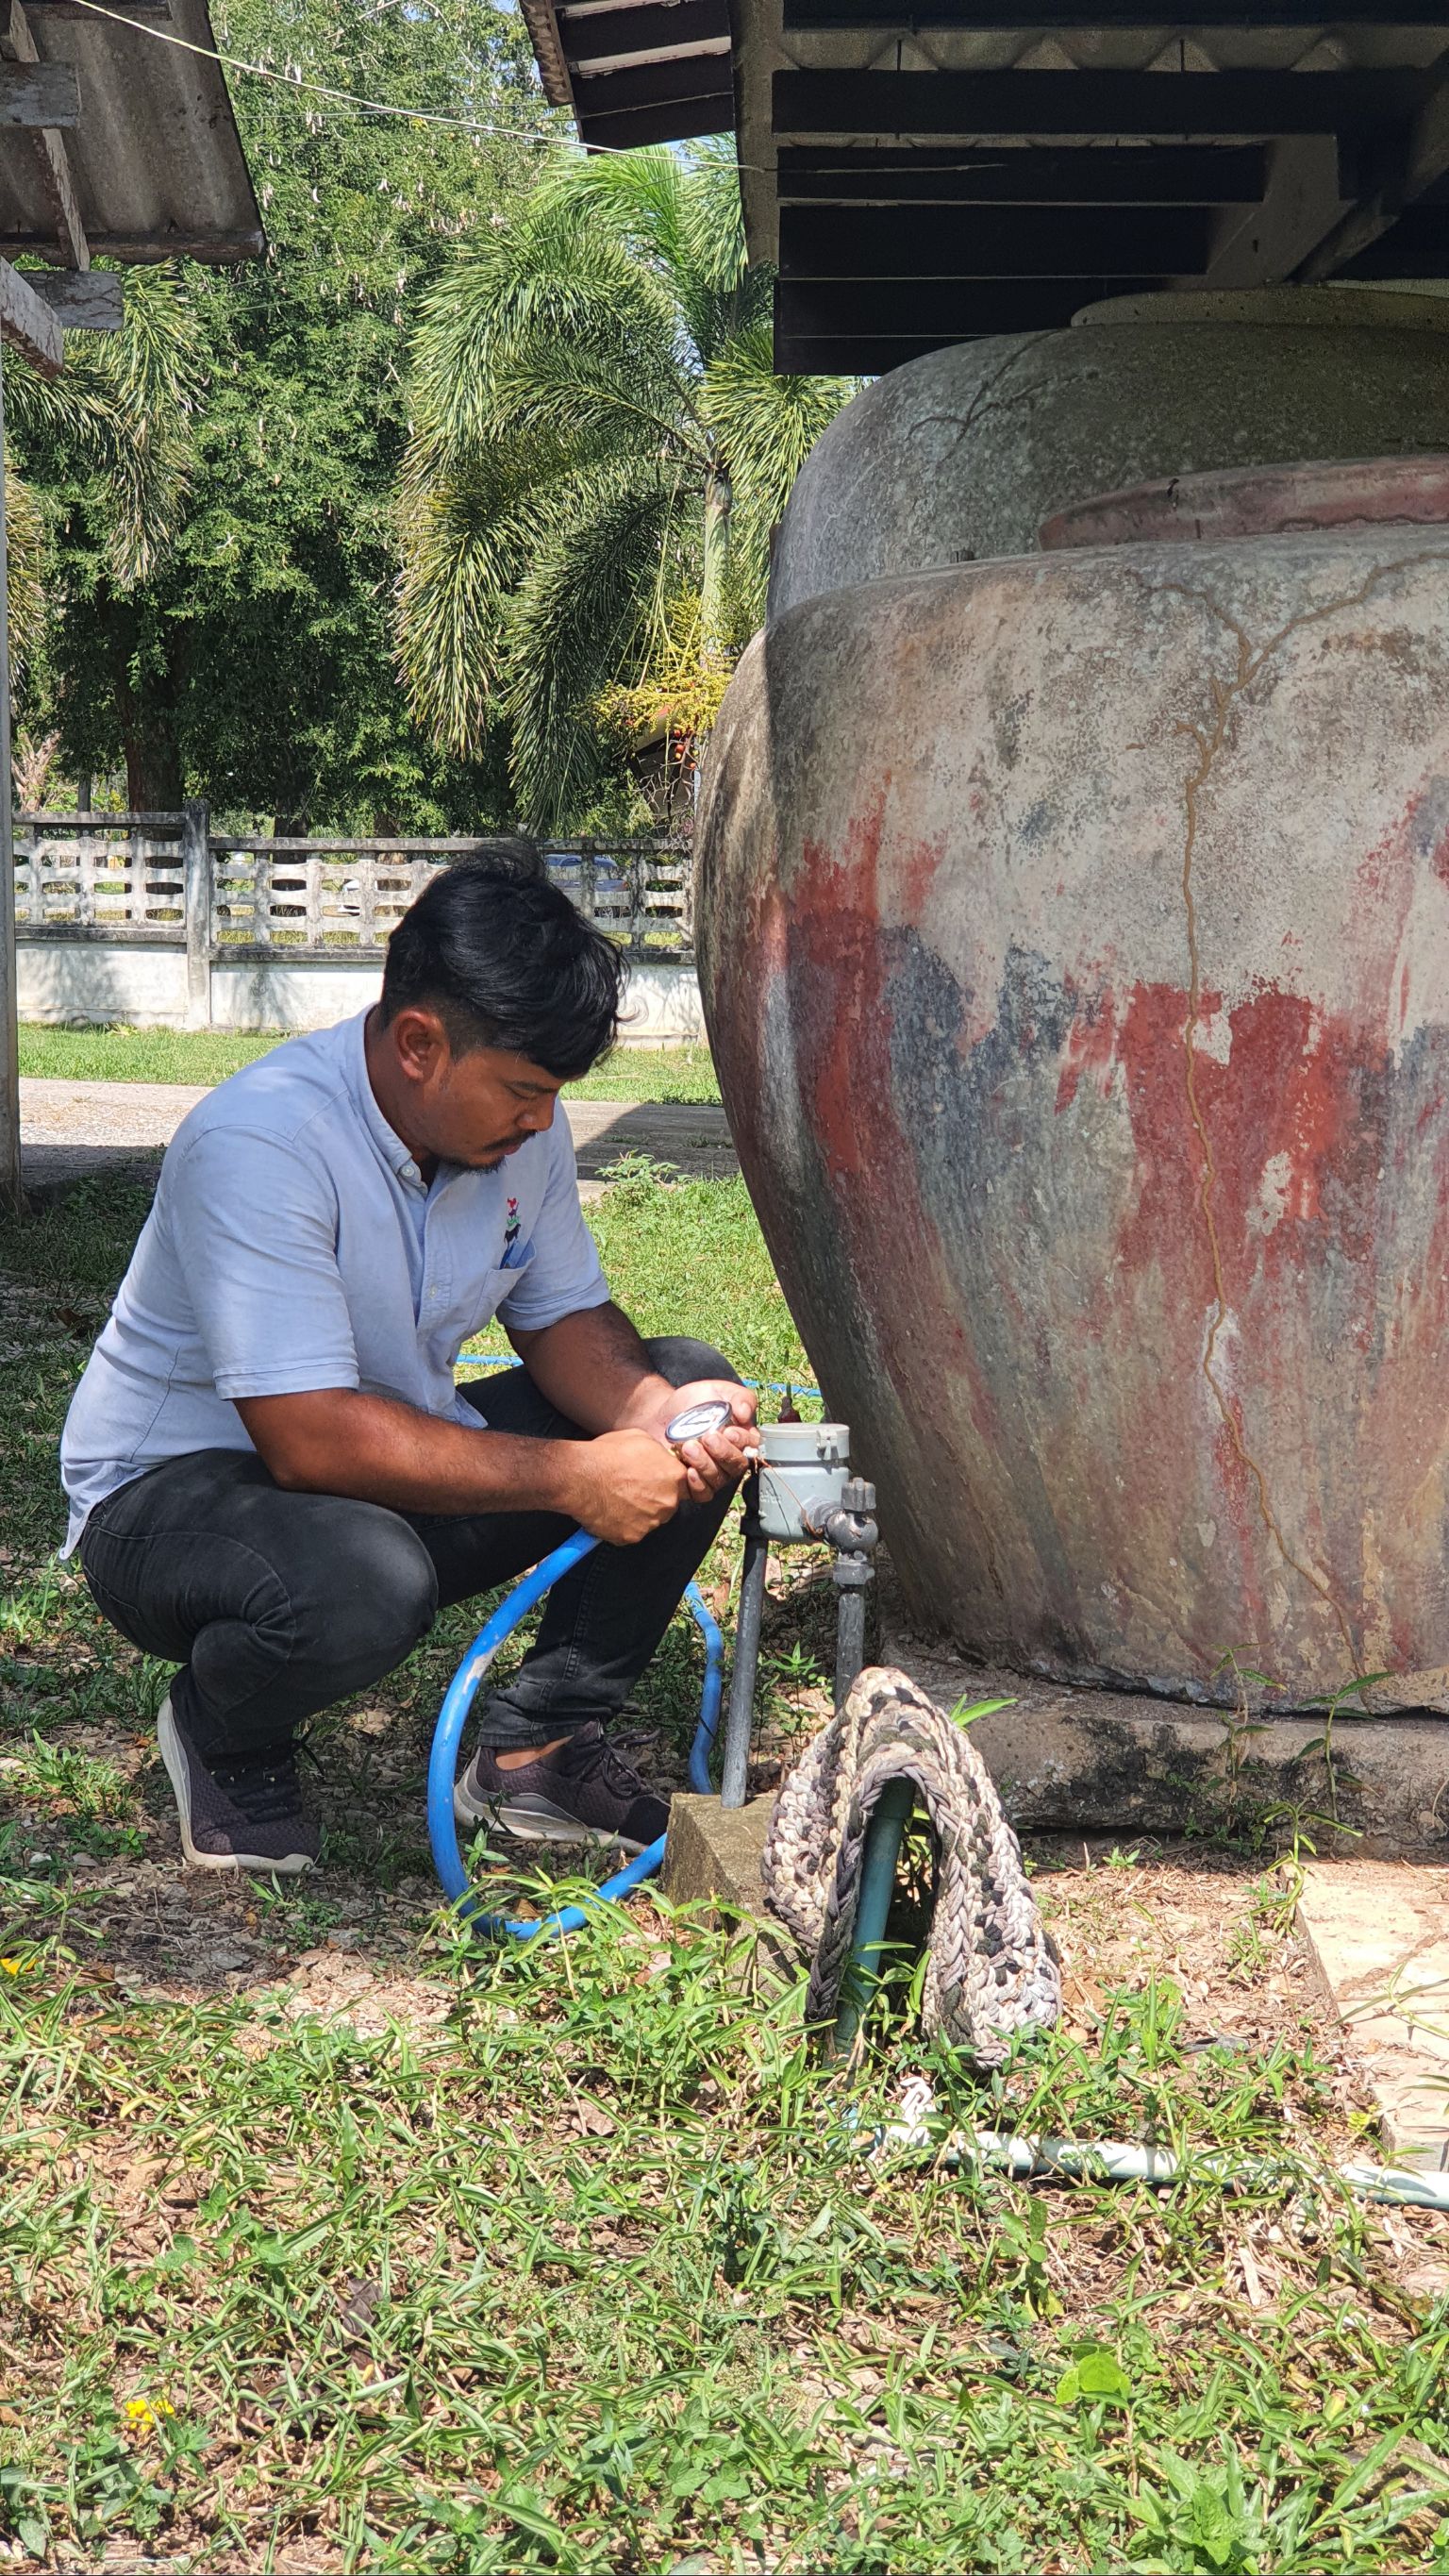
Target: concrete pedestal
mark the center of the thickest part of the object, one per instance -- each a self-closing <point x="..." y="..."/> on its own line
<point x="713" y="1854"/>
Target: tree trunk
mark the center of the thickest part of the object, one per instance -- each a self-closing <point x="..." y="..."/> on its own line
<point x="719" y="501"/>
<point x="155" y="780"/>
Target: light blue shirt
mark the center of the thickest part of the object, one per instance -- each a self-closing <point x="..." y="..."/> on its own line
<point x="294" y="1244"/>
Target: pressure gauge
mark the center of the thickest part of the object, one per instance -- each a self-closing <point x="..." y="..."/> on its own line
<point x="698" y="1419"/>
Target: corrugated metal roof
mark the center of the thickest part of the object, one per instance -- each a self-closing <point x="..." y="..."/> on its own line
<point x="156" y="158"/>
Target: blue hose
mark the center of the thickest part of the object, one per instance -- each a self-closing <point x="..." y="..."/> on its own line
<point x="443" y="1760"/>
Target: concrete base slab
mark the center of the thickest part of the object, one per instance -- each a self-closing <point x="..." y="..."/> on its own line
<point x="1378" y="1933"/>
<point x="713" y="1856"/>
<point x="1087" y="1761"/>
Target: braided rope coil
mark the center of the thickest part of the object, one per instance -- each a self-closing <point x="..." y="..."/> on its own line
<point x="992" y="1968"/>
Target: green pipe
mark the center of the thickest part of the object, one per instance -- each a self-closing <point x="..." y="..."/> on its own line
<point x="877" y="1886"/>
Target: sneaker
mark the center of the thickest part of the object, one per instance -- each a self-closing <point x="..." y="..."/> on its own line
<point x="584" y="1793"/>
<point x="240" y="1814"/>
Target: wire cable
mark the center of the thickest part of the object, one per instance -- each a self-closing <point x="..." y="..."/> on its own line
<point x="346" y="97"/>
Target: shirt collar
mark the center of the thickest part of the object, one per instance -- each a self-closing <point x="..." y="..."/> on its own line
<point x="386" y="1140"/>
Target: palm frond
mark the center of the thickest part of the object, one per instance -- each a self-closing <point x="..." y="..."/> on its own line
<point x="148" y="377"/>
<point x="528" y="292"/>
<point x="580" y="615"/>
<point x="585" y="402"/>
<point x="463" y="541"/>
<point x="24" y="565"/>
<point x="766" y="424"/>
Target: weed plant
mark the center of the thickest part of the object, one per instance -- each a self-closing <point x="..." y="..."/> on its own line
<point x="580" y="2257"/>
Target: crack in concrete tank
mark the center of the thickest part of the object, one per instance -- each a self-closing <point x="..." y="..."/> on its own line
<point x="982" y="402"/>
<point x="1211" y="741"/>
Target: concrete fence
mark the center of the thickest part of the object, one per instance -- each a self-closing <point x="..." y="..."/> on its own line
<point x="157" y="920"/>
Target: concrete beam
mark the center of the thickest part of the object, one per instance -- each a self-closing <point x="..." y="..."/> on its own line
<point x="27" y="324"/>
<point x="1425" y="160"/>
<point x="19" y="44"/>
<point x="1263" y="244"/>
<point x="39" y="94"/>
<point x="80" y="299"/>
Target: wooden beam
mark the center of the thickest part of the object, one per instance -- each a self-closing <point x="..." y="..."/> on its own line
<point x="902" y="17"/>
<point x="650" y="33"/>
<point x="39" y="94"/>
<point x="992" y="241"/>
<point x="844" y="356"/>
<point x="1168" y="104"/>
<point x="938" y="309"/>
<point x="1422" y="163"/>
<point x="144" y="12"/>
<point x="142" y="250"/>
<point x="653" y="85"/>
<point x="1091" y="175"/>
<point x="81" y="300"/>
<point x="678" y="122"/>
<point x="55" y="169"/>
<point x="29" y="326"/>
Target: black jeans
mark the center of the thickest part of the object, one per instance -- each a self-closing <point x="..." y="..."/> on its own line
<point x="277" y="1604"/>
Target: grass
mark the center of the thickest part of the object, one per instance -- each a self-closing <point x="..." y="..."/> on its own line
<point x="192" y="1056"/>
<point x="331" y="2242"/>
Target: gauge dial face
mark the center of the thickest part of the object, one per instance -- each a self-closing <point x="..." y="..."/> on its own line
<point x="697" y="1419"/>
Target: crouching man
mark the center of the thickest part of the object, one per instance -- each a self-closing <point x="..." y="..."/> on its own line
<point x="274" y="1480"/>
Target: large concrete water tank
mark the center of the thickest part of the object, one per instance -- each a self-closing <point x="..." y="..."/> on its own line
<point x="1075" y="943"/>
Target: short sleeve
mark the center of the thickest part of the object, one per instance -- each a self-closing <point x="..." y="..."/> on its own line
<point x="253" y="1224"/>
<point x="564" y="1275"/>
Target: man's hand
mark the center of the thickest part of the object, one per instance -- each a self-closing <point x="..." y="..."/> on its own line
<point x="722" y="1456"/>
<point x="627" y="1484"/>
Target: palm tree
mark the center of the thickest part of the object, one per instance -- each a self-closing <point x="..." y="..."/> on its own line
<point x="598" y="452"/>
<point x="123" y="412"/>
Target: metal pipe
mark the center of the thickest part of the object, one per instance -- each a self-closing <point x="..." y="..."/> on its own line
<point x="739" y="1717"/>
<point x="878" y="1866"/>
<point x="849" y="1641"/>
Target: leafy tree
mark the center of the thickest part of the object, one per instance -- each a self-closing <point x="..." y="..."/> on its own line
<point x="599" y="452"/>
<point x="247" y="654"/>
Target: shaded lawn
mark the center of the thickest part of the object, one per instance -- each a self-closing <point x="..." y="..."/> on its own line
<point x="191" y="1056"/>
<point x="329" y="2242"/>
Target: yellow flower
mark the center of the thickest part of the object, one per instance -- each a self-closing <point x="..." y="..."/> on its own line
<point x="15" y="1967"/>
<point x="144" y="2413"/>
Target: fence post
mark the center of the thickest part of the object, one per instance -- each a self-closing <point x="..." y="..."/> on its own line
<point x="198" y="906"/>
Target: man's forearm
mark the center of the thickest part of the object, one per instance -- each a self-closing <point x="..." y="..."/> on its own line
<point x="339" y="1441"/>
<point x="594" y="1369"/>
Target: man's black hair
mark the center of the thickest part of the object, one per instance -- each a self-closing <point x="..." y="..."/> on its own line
<point x="507" y="961"/>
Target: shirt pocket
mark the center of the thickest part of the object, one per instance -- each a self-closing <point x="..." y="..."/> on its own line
<point x="487" y="1295"/>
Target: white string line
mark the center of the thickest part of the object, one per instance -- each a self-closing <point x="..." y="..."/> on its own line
<point x="346" y="97"/>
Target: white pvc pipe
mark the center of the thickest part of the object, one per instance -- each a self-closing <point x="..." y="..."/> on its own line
<point x="1112" y="2160"/>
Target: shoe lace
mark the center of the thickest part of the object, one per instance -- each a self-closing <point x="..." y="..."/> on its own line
<point x="618" y="1776"/>
<point x="265" y="1789"/>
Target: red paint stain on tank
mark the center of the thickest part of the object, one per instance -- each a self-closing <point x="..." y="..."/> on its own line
<point x="843" y="1034"/>
<point x="1289" y="1123"/>
<point x="1091" y="1048"/>
<point x="1163" y="1230"/>
<point x="843" y="1030"/>
<point x="917" y="871"/>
